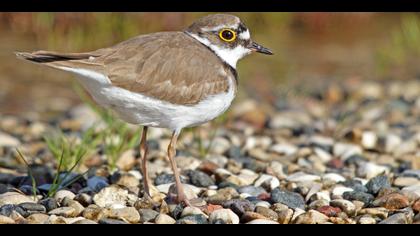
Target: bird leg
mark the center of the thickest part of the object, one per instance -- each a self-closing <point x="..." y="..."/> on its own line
<point x="143" y="154"/>
<point x="181" y="197"/>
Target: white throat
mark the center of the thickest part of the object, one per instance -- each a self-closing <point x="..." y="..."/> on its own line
<point x="230" y="56"/>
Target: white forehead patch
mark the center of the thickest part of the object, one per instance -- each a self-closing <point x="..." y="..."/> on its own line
<point x="230" y="56"/>
<point x="245" y="35"/>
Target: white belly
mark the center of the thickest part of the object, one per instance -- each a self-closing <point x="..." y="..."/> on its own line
<point x="136" y="108"/>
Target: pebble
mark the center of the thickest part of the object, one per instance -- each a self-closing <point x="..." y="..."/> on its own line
<point x="64" y="212"/>
<point x="84" y="222"/>
<point x="97" y="183"/>
<point x="347" y="206"/>
<point x="31" y="208"/>
<point x="346" y="150"/>
<point x="6" y="210"/>
<point x="406" y="181"/>
<point x="302" y="177"/>
<point x="267" y="182"/>
<point x="262" y="222"/>
<point x="366" y="198"/>
<point x="333" y="177"/>
<point x="291" y="199"/>
<point x="164" y="219"/>
<point x="193" y="219"/>
<point x="285" y="216"/>
<point x="369" y="140"/>
<point x="377" y="212"/>
<point x="340" y="190"/>
<point x="311" y="217"/>
<point x="375" y="184"/>
<point x="192" y="211"/>
<point x="226" y="215"/>
<point x="7" y="140"/>
<point x="61" y="194"/>
<point x="239" y="206"/>
<point x="37" y="218"/>
<point x="222" y="196"/>
<point x="114" y="195"/>
<point x="126" y="161"/>
<point x="220" y="145"/>
<point x="393" y="201"/>
<point x="68" y="202"/>
<point x="277" y="169"/>
<point x="416" y="206"/>
<point x="93" y="212"/>
<point x="199" y="179"/>
<point x="329" y="211"/>
<point x="284" y="149"/>
<point x="411" y="191"/>
<point x="266" y="212"/>
<point x="398" y="218"/>
<point x="14" y="198"/>
<point x="126" y="214"/>
<point x="49" y="203"/>
<point x="148" y="215"/>
<point x="107" y="221"/>
<point x="367" y="220"/>
<point x="252" y="190"/>
<point x="369" y="170"/>
<point x="6" y="220"/>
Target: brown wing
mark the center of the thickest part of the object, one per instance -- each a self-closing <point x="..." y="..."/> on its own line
<point x="169" y="66"/>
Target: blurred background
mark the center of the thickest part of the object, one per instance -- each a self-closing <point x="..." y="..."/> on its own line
<point x="310" y="50"/>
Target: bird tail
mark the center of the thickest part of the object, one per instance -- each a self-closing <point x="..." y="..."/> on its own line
<point x="48" y="56"/>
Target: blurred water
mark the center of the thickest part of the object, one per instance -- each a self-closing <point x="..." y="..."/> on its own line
<point x="309" y="46"/>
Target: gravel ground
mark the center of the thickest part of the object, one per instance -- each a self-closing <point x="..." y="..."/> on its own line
<point x="347" y="153"/>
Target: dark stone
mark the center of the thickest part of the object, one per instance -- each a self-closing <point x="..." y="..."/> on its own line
<point x="167" y="179"/>
<point x="3" y="188"/>
<point x="219" y="222"/>
<point x="41" y="173"/>
<point x="147" y="215"/>
<point x="239" y="206"/>
<point x="225" y="184"/>
<point x="399" y="218"/>
<point x="251" y="190"/>
<point x="97" y="183"/>
<point x="5" y="178"/>
<point x="49" y="204"/>
<point x="234" y="152"/>
<point x="6" y="210"/>
<point x="153" y="144"/>
<point x="199" y="179"/>
<point x="377" y="183"/>
<point x="33" y="207"/>
<point x="290" y="199"/>
<point x="28" y="190"/>
<point x="355" y="160"/>
<point x="177" y="211"/>
<point x="193" y="219"/>
<point x="22" y="211"/>
<point x="356" y="185"/>
<point x="107" y="221"/>
<point x="359" y="196"/>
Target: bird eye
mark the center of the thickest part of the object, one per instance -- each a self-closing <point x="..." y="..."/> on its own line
<point x="227" y="35"/>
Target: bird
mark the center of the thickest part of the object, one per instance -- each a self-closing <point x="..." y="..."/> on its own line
<point x="170" y="79"/>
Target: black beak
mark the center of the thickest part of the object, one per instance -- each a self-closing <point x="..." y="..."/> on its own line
<point x="258" y="48"/>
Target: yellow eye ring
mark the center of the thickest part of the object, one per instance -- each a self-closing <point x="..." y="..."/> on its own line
<point x="227" y="35"/>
